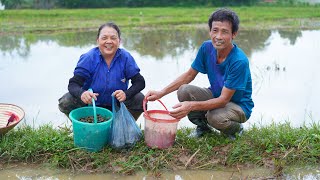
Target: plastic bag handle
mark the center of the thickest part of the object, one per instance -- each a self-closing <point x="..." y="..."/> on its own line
<point x="145" y="103"/>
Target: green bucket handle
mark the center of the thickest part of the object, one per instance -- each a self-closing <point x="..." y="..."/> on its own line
<point x="94" y="108"/>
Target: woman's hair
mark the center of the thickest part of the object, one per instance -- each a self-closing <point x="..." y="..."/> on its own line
<point x="109" y="24"/>
<point x="225" y="14"/>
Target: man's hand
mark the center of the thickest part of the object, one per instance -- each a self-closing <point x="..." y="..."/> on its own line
<point x="181" y="109"/>
<point x="153" y="95"/>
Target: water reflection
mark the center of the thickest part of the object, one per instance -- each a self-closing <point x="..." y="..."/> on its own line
<point x="292" y="36"/>
<point x="34" y="70"/>
<point x="157" y="44"/>
<point x="20" y="45"/>
<point x="13" y="44"/>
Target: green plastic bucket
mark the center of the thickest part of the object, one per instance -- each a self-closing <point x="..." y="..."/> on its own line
<point x="91" y="136"/>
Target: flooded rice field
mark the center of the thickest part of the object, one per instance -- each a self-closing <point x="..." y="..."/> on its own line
<point x="35" y="69"/>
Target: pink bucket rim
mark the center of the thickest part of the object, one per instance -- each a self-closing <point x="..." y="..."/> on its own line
<point x="148" y="117"/>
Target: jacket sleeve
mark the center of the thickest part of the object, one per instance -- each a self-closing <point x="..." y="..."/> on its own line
<point x="75" y="85"/>
<point x="138" y="84"/>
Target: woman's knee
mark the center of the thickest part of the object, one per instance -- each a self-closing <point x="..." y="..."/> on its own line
<point x="135" y="103"/>
<point x="68" y="102"/>
<point x="64" y="101"/>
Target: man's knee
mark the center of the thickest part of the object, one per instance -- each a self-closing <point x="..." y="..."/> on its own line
<point x="222" y="121"/>
<point x="184" y="93"/>
<point x="217" y="120"/>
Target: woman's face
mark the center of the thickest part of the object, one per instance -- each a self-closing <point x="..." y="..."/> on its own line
<point x="108" y="42"/>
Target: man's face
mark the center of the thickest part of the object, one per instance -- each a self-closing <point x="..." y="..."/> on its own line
<point x="221" y="34"/>
<point x="108" y="41"/>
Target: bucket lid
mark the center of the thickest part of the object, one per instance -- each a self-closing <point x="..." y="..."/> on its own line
<point x="165" y="112"/>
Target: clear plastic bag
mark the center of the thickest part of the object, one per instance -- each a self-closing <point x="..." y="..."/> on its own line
<point x="124" y="129"/>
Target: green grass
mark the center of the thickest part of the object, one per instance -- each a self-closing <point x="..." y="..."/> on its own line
<point x="57" y="20"/>
<point x="276" y="146"/>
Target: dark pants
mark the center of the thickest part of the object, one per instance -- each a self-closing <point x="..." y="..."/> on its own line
<point x="67" y="103"/>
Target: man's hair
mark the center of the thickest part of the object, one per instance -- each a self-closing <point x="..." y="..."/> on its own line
<point x="222" y="15"/>
<point x="109" y="24"/>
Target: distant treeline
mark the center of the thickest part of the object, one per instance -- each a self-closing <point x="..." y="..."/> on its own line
<point x="72" y="4"/>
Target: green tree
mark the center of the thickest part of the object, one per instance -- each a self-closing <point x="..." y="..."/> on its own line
<point x="44" y="4"/>
<point x="12" y="4"/>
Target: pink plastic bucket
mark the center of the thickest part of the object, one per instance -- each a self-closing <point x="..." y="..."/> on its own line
<point x="160" y="128"/>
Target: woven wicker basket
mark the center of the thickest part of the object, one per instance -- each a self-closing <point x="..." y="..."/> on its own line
<point x="6" y="111"/>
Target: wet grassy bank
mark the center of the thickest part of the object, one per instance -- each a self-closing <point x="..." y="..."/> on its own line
<point x="66" y="20"/>
<point x="275" y="146"/>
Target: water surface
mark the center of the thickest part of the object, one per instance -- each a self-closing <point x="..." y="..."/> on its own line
<point x="35" y="69"/>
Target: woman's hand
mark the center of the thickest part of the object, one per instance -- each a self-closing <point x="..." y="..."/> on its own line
<point x="120" y="95"/>
<point x="87" y="96"/>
